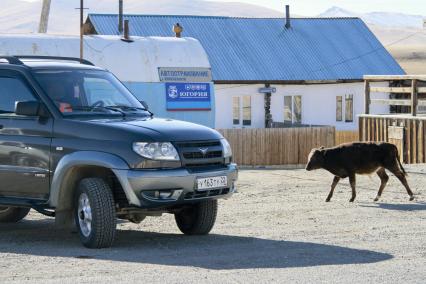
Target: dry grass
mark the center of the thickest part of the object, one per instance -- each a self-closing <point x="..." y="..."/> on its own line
<point x="411" y="57"/>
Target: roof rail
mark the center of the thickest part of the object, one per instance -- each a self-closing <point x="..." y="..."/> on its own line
<point x="82" y="61"/>
<point x="12" y="59"/>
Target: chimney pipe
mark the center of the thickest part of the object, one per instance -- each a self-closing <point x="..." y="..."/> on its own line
<point x="120" y="16"/>
<point x="126" y="35"/>
<point x="178" y="29"/>
<point x="287" y="17"/>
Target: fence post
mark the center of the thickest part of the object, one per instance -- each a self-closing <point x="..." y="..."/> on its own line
<point x="366" y="97"/>
<point x="414" y="97"/>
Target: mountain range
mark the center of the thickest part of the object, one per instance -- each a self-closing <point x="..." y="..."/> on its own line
<point x="402" y="34"/>
<point x="381" y="19"/>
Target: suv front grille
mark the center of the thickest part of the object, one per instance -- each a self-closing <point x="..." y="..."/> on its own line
<point x="194" y="144"/>
<point x="201" y="155"/>
<point x="208" y="193"/>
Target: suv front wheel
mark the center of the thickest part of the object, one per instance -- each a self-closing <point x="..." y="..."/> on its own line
<point x="94" y="213"/>
<point x="13" y="214"/>
<point x="198" y="219"/>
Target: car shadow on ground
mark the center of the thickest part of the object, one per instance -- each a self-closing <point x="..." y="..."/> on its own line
<point x="221" y="252"/>
<point x="399" y="207"/>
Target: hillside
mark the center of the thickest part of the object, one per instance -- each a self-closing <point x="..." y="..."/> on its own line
<point x="403" y="35"/>
<point x="22" y="17"/>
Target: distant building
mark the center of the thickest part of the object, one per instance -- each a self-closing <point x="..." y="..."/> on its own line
<point x="291" y="71"/>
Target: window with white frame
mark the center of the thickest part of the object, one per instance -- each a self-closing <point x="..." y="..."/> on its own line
<point x="349" y="108"/>
<point x="246" y="110"/>
<point x="339" y="108"/>
<point x="346" y="108"/>
<point x="241" y="111"/>
<point x="236" y="105"/>
<point x="293" y="109"/>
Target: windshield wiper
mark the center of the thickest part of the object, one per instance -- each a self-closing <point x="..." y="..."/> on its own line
<point x="124" y="107"/>
<point x="93" y="108"/>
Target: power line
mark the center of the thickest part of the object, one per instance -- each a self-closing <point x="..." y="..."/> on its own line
<point x="346" y="60"/>
<point x="367" y="53"/>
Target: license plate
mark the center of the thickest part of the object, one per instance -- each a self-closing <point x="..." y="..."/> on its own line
<point x="212" y="182"/>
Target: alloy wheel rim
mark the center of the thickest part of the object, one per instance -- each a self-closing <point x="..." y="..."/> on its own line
<point x="84" y="215"/>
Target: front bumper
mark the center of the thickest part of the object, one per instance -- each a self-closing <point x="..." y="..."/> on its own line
<point x="142" y="186"/>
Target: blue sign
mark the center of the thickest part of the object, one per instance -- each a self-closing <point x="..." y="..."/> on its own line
<point x="188" y="96"/>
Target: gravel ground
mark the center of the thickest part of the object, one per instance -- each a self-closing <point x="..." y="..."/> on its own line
<point x="276" y="229"/>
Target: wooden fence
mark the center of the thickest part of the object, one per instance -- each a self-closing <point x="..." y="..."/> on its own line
<point x="405" y="131"/>
<point x="277" y="146"/>
<point x="346" y="136"/>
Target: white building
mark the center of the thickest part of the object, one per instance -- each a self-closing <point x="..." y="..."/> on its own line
<point x="138" y="64"/>
<point x="314" y="104"/>
<point x="314" y="65"/>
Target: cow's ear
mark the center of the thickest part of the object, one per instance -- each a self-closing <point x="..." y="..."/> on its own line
<point x="322" y="148"/>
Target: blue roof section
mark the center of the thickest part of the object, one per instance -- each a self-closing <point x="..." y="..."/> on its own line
<point x="262" y="49"/>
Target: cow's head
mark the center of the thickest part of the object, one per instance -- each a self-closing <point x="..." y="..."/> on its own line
<point x="315" y="159"/>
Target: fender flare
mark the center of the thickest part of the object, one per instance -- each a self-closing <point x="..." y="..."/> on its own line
<point x="80" y="158"/>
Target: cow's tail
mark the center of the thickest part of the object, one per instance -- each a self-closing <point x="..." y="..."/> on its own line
<point x="399" y="162"/>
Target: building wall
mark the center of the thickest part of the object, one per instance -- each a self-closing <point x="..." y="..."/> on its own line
<point x="154" y="94"/>
<point x="318" y="103"/>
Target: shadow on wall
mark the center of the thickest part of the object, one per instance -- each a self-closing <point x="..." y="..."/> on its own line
<point x="221" y="252"/>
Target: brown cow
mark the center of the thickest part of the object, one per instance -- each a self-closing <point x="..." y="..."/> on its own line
<point x="347" y="160"/>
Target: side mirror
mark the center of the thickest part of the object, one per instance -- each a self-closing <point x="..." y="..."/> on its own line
<point x="145" y="105"/>
<point x="30" y="108"/>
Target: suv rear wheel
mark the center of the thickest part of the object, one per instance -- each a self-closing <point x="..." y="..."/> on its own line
<point x="13" y="214"/>
<point x="198" y="219"/>
<point x="94" y="213"/>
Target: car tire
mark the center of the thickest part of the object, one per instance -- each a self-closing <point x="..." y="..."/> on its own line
<point x="94" y="212"/>
<point x="13" y="214"/>
<point x="197" y="219"/>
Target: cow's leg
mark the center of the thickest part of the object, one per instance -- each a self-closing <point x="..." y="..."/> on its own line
<point x="352" y="182"/>
<point x="333" y="186"/>
<point x="397" y="172"/>
<point x="384" y="179"/>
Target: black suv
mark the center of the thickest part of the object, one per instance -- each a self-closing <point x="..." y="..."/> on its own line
<point x="76" y="144"/>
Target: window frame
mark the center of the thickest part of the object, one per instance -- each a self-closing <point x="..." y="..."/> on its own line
<point x="339" y="105"/>
<point x="349" y="98"/>
<point x="293" y="114"/>
<point x="13" y="74"/>
<point x="236" y="122"/>
<point x="241" y="122"/>
<point x="243" y="108"/>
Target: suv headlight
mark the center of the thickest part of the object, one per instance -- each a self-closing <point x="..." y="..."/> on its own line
<point x="227" y="151"/>
<point x="161" y="151"/>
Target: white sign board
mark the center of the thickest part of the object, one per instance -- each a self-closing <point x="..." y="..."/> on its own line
<point x="184" y="75"/>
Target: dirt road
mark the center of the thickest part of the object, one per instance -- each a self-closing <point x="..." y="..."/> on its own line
<point x="276" y="229"/>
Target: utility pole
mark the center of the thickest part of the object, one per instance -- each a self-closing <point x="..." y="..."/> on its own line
<point x="44" y="17"/>
<point x="81" y="27"/>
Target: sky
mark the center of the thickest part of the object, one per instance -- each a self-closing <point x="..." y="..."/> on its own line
<point x="315" y="7"/>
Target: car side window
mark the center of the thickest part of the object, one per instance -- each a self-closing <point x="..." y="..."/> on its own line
<point x="13" y="90"/>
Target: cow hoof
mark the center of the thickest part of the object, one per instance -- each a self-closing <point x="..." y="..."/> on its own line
<point x="376" y="199"/>
<point x="411" y="197"/>
<point x="351" y="200"/>
<point x="327" y="200"/>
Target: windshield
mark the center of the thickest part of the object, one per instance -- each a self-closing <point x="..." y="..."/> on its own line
<point x="87" y="92"/>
